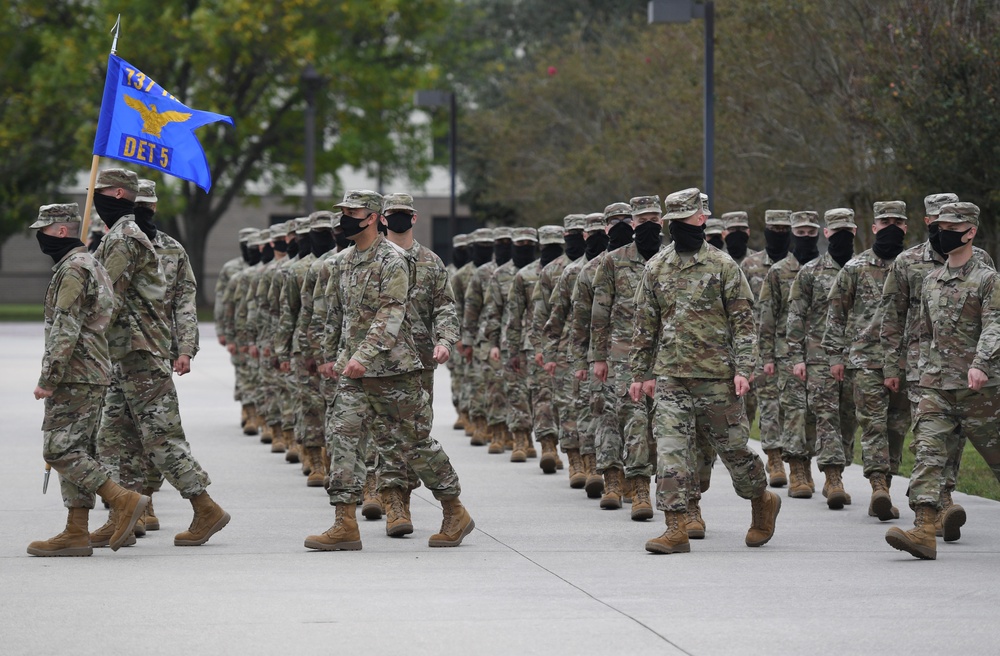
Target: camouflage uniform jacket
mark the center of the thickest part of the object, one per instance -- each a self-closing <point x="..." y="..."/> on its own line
<point x="459" y="285"/>
<point x="181" y="299"/>
<point x="755" y="268"/>
<point x="852" y="326"/>
<point x="78" y="306"/>
<point x="275" y="292"/>
<point x="807" y="306"/>
<point x="555" y="332"/>
<point x="475" y="298"/>
<point x="960" y="326"/>
<point x="517" y="311"/>
<point x="495" y="307"/>
<point x="290" y="306"/>
<point x="773" y="309"/>
<point x="303" y="344"/>
<point x="581" y="307"/>
<point x="900" y="326"/>
<point x="321" y="302"/>
<point x="367" y="298"/>
<point x="540" y="301"/>
<point x="432" y="305"/>
<point x="246" y="284"/>
<point x="140" y="320"/>
<point x="226" y="273"/>
<point x="693" y="318"/>
<point x="611" y="319"/>
<point x="259" y="306"/>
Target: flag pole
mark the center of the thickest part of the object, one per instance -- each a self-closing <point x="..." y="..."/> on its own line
<point x="89" y="203"/>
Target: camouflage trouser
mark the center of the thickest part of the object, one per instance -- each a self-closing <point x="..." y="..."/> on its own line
<point x="546" y="415"/>
<point x="951" y="468"/>
<point x="685" y="407"/>
<point x="944" y="419"/>
<point x="404" y="440"/>
<point x="495" y="390"/>
<point x="520" y="399"/>
<point x="589" y="392"/>
<point x="608" y="425"/>
<point x="884" y="418"/>
<point x="141" y="417"/>
<point x="566" y="391"/>
<point x="250" y="387"/>
<point x="478" y="406"/>
<point x="310" y="413"/>
<point x="236" y="360"/>
<point x="72" y="415"/>
<point x="267" y="392"/>
<point x="771" y="417"/>
<point x="287" y="397"/>
<point x="832" y="404"/>
<point x="798" y="430"/>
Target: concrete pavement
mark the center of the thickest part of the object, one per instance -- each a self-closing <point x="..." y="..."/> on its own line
<point x="546" y="571"/>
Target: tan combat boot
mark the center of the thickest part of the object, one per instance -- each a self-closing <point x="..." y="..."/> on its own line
<point x="469" y="425"/>
<point x="73" y="541"/>
<point x="497" y="438"/>
<point x="775" y="468"/>
<point x="642" y="507"/>
<point x="292" y="454"/>
<point x="694" y="521"/>
<point x="140" y="527"/>
<point x="550" y="455"/>
<point x="577" y="474"/>
<point x="244" y="416"/>
<point x="149" y="518"/>
<point x="764" y="512"/>
<point x="530" y="450"/>
<point x="102" y="536"/>
<point x="314" y="455"/>
<point x="836" y="497"/>
<point x="250" y="424"/>
<point x="266" y="434"/>
<point x="509" y="442"/>
<point x="595" y="482"/>
<point x="614" y="481"/>
<point x="459" y="424"/>
<point x="521" y="441"/>
<point x="397" y="512"/>
<point x="342" y="536"/>
<point x="921" y="541"/>
<point x="456" y="524"/>
<point x="480" y="433"/>
<point x="798" y="486"/>
<point x="209" y="518"/>
<point x="277" y="439"/>
<point x="371" y="504"/>
<point x="950" y="520"/>
<point x="126" y="507"/>
<point x="881" y="503"/>
<point x="807" y="470"/>
<point x="674" y="539"/>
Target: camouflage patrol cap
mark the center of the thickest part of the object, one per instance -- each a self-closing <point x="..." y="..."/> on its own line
<point x="279" y="229"/>
<point x="958" y="213"/>
<point x="645" y="205"/>
<point x="147" y="191"/>
<point x="118" y="179"/>
<point x="682" y="204"/>
<point x="57" y="213"/>
<point x="262" y="237"/>
<point x="525" y="234"/>
<point x="805" y="219"/>
<point x="482" y="236"/>
<point x="574" y="221"/>
<point x="458" y="241"/>
<point x="397" y="201"/>
<point x="303" y="225"/>
<point x="617" y="209"/>
<point x="322" y="219"/>
<point x="735" y="220"/>
<point x="361" y="199"/>
<point x="934" y="203"/>
<point x="777" y="218"/>
<point x="704" y="204"/>
<point x="335" y="221"/>
<point x="550" y="234"/>
<point x="889" y="209"/>
<point x="503" y="232"/>
<point x="594" y="222"/>
<point x="245" y="234"/>
<point x="839" y="217"/>
<point x="714" y="226"/>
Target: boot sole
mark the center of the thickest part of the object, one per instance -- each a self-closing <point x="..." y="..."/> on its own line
<point x="248" y="431"/>
<point x="518" y="457"/>
<point x="779" y="482"/>
<point x="152" y="526"/>
<point x="836" y="501"/>
<point x="137" y="513"/>
<point x="371" y="511"/>
<point x="547" y="464"/>
<point x="594" y="489"/>
<point x="901" y="543"/>
<point x="218" y="526"/>
<point x="399" y="531"/>
<point x="696" y="534"/>
<point x="882" y="507"/>
<point x="642" y="514"/>
<point x="951" y="526"/>
<point x="314" y="483"/>
<point x="495" y="451"/>
<point x="103" y="544"/>
<point x="577" y="484"/>
<point x="657" y="548"/>
<point x="453" y="543"/>
<point x="475" y="442"/>
<point x="292" y="458"/>
<point x="610" y="504"/>
<point x="800" y="494"/>
<point x="68" y="551"/>
<point x="340" y="546"/>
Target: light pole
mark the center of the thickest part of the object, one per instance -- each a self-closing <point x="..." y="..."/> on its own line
<point x="445" y="99"/>
<point x="311" y="83"/>
<point x="682" y="11"/>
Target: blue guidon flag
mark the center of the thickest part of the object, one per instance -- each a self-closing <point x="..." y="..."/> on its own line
<point x="140" y="122"/>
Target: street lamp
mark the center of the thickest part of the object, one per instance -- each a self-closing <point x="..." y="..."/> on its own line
<point x="682" y="11"/>
<point x="444" y="99"/>
<point x="311" y="81"/>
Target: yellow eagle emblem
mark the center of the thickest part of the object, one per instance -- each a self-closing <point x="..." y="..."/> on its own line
<point x="152" y="120"/>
